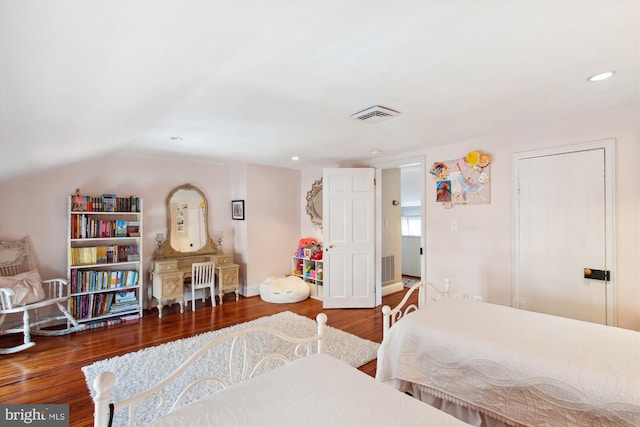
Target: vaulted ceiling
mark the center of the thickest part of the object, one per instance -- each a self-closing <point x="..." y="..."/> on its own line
<point x="261" y="81"/>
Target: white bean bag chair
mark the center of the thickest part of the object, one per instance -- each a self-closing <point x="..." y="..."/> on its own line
<point x="284" y="289"/>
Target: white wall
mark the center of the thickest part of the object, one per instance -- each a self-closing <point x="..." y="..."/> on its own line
<point x="391" y="227"/>
<point x="477" y="257"/>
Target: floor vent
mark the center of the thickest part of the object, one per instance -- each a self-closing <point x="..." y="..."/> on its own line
<point x="388" y="268"/>
<point x="375" y="114"/>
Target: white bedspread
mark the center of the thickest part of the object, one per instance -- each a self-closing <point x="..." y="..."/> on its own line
<point x="318" y="390"/>
<point x="518" y="366"/>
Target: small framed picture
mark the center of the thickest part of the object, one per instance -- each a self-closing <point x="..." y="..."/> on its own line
<point x="237" y="209"/>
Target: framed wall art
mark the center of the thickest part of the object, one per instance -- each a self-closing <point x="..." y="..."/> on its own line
<point x="237" y="209"/>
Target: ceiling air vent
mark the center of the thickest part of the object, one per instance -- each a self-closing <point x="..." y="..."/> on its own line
<point x="375" y="114"/>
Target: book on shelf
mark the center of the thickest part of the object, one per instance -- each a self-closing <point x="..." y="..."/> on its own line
<point x="103" y="228"/>
<point x="84" y="256"/>
<point x="80" y="305"/>
<point x="131" y="278"/>
<point x="129" y="253"/>
<point x="109" y="303"/>
<point x="83" y="227"/>
<point x="133" y="228"/>
<point x="108" y="202"/>
<point x="134" y="202"/>
<point x="121" y="228"/>
<point x="126" y="296"/>
<point x="101" y="255"/>
<point x="104" y="254"/>
<point x="99" y="280"/>
<point x="124" y="301"/>
<point x="115" y="279"/>
<point x="112" y="254"/>
<point x="101" y="304"/>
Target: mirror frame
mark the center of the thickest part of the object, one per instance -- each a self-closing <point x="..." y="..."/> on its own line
<point x="316" y="217"/>
<point x="166" y="250"/>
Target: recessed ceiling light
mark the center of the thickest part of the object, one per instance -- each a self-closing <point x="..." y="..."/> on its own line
<point x="375" y="152"/>
<point x="295" y="158"/>
<point x="601" y="76"/>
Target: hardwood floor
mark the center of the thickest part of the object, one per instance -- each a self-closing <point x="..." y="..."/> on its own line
<point x="50" y="371"/>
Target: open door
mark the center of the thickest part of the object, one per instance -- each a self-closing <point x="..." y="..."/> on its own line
<point x="349" y="238"/>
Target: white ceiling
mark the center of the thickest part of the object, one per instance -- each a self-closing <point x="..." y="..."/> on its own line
<point x="260" y="81"/>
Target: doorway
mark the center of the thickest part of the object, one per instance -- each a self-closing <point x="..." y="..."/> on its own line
<point x="399" y="207"/>
<point x="411" y="223"/>
<point x="563" y="228"/>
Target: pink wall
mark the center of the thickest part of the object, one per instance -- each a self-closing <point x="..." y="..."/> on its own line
<point x="36" y="206"/>
<point x="479" y="264"/>
<point x="307" y="228"/>
<point x="273" y="222"/>
<point x="478" y="257"/>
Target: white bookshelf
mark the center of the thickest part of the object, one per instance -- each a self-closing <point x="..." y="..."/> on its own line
<point x="105" y="269"/>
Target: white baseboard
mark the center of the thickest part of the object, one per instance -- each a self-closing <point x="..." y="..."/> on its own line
<point x="392" y="288"/>
<point x="250" y="291"/>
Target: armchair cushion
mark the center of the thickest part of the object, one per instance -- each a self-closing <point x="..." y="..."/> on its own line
<point x="27" y="287"/>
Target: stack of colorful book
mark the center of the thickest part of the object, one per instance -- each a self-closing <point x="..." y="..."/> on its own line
<point x="124" y="302"/>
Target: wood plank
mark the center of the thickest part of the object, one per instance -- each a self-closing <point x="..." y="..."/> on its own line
<point x="50" y="371"/>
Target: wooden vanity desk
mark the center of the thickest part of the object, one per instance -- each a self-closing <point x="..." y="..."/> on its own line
<point x="167" y="272"/>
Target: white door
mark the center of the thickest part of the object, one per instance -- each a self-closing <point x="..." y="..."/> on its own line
<point x="349" y="238"/>
<point x="563" y="226"/>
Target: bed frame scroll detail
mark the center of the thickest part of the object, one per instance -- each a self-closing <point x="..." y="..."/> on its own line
<point x="391" y="316"/>
<point x="240" y="350"/>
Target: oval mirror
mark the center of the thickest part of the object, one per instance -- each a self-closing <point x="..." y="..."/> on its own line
<point x="314" y="203"/>
<point x="187" y="219"/>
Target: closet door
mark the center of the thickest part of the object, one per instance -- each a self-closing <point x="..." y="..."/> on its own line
<point x="564" y="232"/>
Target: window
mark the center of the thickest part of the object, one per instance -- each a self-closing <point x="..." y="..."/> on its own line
<point x="411" y="225"/>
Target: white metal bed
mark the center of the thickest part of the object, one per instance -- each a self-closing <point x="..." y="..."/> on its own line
<point x="495" y="365"/>
<point x="313" y="390"/>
